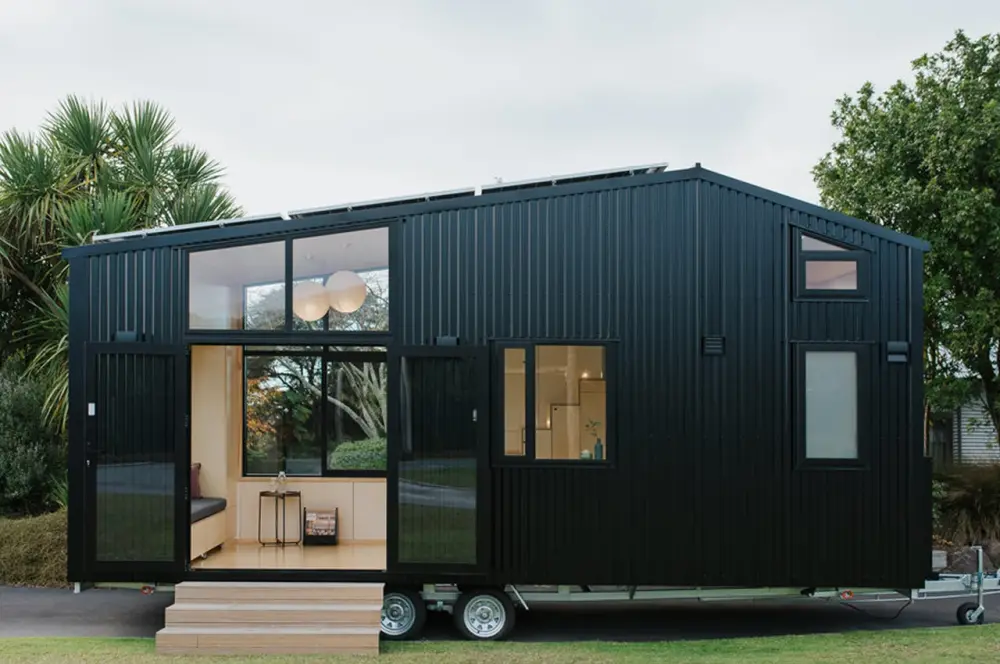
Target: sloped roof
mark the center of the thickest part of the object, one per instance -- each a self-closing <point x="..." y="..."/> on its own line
<point x="481" y="195"/>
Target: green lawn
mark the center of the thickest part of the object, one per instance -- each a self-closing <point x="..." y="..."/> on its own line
<point x="941" y="645"/>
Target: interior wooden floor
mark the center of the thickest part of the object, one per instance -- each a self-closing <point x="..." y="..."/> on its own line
<point x="348" y="555"/>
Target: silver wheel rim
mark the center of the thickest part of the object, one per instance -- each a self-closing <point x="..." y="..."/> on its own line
<point x="970" y="616"/>
<point x="398" y="614"/>
<point x="484" y="616"/>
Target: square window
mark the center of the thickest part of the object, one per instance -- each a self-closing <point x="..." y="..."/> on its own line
<point x="237" y="288"/>
<point x="341" y="281"/>
<point x="555" y="403"/>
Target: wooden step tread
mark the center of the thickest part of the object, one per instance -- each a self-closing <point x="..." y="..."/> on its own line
<point x="264" y="585"/>
<point x="353" y="630"/>
<point x="265" y="606"/>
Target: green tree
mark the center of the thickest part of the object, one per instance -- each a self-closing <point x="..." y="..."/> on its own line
<point x="923" y="158"/>
<point x="88" y="170"/>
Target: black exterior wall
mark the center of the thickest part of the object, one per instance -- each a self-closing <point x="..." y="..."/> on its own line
<point x="706" y="487"/>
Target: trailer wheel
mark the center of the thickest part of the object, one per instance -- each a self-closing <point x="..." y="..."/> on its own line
<point x="484" y="615"/>
<point x="403" y="615"/>
<point x="967" y="611"/>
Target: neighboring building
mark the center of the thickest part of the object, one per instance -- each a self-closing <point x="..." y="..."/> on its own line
<point x="965" y="436"/>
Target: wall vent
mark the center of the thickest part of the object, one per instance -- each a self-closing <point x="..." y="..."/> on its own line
<point x="713" y="345"/>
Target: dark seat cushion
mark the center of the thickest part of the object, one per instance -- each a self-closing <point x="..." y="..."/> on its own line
<point x="202" y="508"/>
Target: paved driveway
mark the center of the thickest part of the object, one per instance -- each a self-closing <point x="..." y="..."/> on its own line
<point x="100" y="612"/>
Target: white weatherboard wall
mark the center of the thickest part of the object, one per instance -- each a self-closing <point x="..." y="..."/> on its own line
<point x="975" y="439"/>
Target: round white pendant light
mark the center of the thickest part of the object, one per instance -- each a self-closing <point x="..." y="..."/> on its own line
<point x="310" y="301"/>
<point x="346" y="291"/>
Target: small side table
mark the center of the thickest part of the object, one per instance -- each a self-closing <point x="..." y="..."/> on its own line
<point x="280" y="500"/>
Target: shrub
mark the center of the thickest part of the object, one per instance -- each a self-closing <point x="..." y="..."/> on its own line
<point x="32" y="451"/>
<point x="360" y="455"/>
<point x="33" y="551"/>
<point x="969" y="504"/>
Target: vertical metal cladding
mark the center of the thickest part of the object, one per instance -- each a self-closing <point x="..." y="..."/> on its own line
<point x="705" y="489"/>
<point x="137" y="291"/>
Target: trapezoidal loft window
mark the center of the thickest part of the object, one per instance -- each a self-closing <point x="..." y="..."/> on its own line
<point x="555" y="403"/>
<point x="832" y="403"/>
<point x="826" y="270"/>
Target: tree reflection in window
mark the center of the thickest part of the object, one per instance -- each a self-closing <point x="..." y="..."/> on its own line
<point x="316" y="411"/>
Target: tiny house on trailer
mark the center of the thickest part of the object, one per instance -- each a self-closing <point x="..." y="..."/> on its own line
<point x="632" y="378"/>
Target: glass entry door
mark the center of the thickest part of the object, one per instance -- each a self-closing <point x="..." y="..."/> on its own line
<point x="136" y="462"/>
<point x="438" y="477"/>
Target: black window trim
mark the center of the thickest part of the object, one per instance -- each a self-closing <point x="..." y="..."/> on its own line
<point x="865" y="354"/>
<point x="861" y="258"/>
<point x="328" y="353"/>
<point x="528" y="460"/>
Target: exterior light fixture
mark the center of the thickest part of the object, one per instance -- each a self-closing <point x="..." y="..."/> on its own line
<point x="310" y="301"/>
<point x="346" y="291"/>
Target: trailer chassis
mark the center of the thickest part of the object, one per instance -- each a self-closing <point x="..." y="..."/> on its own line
<point x="489" y="613"/>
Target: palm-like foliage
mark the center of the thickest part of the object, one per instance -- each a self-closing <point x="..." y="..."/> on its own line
<point x="89" y="170"/>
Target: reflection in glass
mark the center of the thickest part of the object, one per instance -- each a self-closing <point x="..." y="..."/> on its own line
<point x="282" y="415"/>
<point x="135" y="445"/>
<point x="356" y="412"/>
<point x="437" y="471"/>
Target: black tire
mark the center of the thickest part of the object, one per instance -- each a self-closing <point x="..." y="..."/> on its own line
<point x="491" y="615"/>
<point x="404" y="614"/>
<point x="964" y="614"/>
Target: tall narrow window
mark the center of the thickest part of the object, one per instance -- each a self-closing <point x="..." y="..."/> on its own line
<point x="514" y="399"/>
<point x="831" y="405"/>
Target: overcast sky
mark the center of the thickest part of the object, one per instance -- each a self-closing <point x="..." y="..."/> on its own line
<point x="317" y="103"/>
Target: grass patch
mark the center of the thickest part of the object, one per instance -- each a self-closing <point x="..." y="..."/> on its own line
<point x="436" y="534"/>
<point x="33" y="551"/>
<point x="916" y="646"/>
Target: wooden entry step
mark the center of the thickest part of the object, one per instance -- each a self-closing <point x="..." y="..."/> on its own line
<point x="272" y="618"/>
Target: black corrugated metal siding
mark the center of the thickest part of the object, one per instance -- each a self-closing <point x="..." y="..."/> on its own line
<point x="137" y="291"/>
<point x="705" y="488"/>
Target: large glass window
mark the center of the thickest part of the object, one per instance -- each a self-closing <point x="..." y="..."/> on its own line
<point x="565" y="416"/>
<point x="315" y="412"/>
<point x="237" y="288"/>
<point x="339" y="282"/>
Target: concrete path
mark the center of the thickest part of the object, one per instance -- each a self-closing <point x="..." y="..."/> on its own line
<point x="97" y="612"/>
<point x="101" y="612"/>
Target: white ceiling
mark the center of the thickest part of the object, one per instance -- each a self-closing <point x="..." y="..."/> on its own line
<point x="314" y="256"/>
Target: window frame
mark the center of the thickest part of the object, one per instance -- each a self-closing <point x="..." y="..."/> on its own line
<point x="326" y="355"/>
<point x="864" y="357"/>
<point x="197" y="334"/>
<point x="846" y="254"/>
<point x="498" y="452"/>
